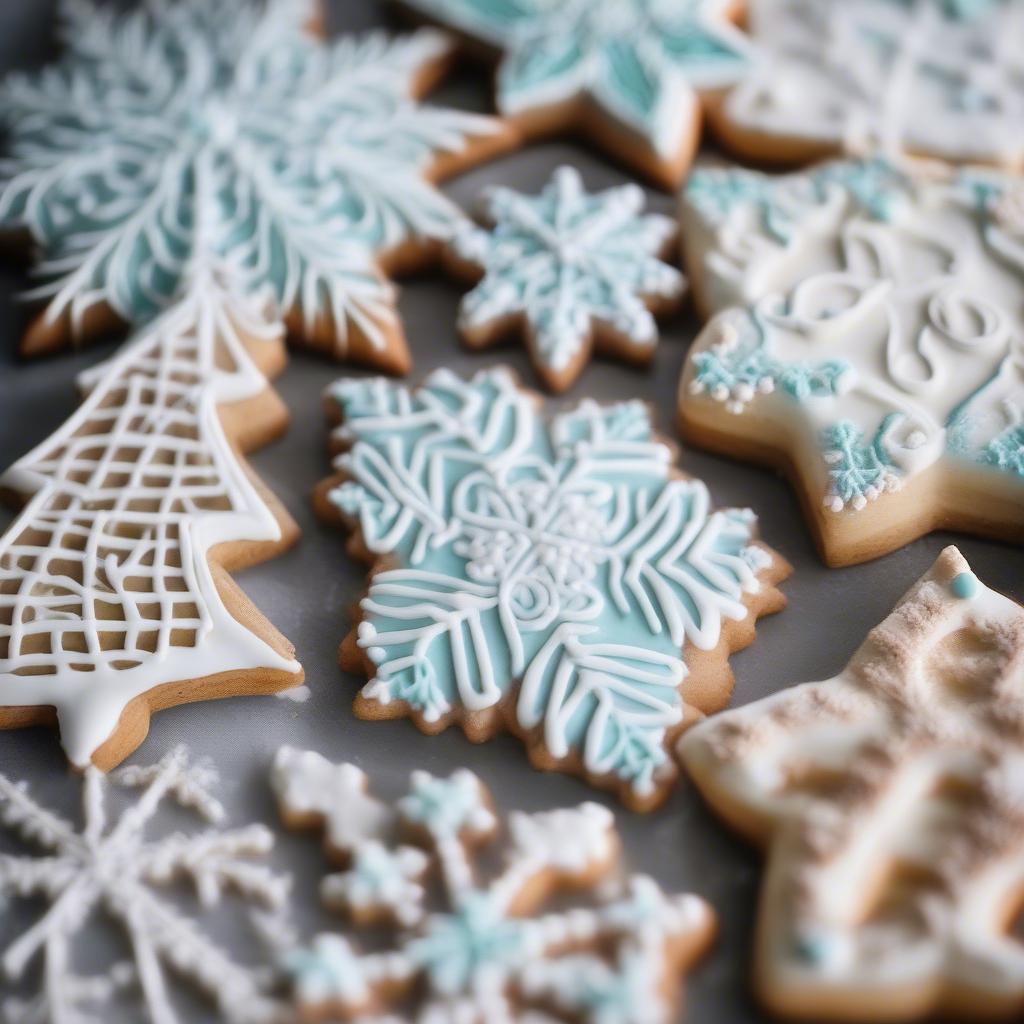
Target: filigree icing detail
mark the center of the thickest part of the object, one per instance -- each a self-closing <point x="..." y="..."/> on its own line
<point x="570" y="265"/>
<point x="641" y="62"/>
<point x="902" y="771"/>
<point x="317" y="155"/>
<point x="116" y="868"/>
<point x="914" y="76"/>
<point x="490" y="951"/>
<point x="882" y="326"/>
<point x="564" y="565"/>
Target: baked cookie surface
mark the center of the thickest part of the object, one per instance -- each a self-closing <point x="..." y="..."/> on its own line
<point x="889" y="800"/>
<point x="869" y="344"/>
<point x="559" y="580"/>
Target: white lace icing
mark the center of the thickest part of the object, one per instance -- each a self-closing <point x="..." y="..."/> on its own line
<point x="916" y="749"/>
<point x="488" y="947"/>
<point x="115" y="867"/>
<point x="943" y="78"/>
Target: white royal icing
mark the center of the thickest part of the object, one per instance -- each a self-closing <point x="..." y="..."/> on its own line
<point x="486" y="947"/>
<point x="564" y="564"/>
<point x="941" y="77"/>
<point x="569" y="263"/>
<point x="881" y="314"/>
<point x="916" y="749"/>
<point x="116" y="867"/>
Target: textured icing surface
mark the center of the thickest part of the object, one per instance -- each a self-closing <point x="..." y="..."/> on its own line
<point x="561" y="563"/>
<point x="884" y="315"/>
<point x="569" y="263"/>
<point x="905" y="769"/>
<point x="934" y="76"/>
<point x="492" y="944"/>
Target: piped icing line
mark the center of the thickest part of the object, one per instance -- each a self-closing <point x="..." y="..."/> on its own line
<point x="875" y="309"/>
<point x="549" y="578"/>
<point x="928" y="77"/>
<point x="573" y="268"/>
<point x="321" y="161"/>
<point x="920" y="737"/>
<point x="643" y="64"/>
<point x="491" y="946"/>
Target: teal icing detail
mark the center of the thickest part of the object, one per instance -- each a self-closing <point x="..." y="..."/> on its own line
<point x="969" y="434"/>
<point x="457" y="946"/>
<point x="559" y="569"/>
<point x="225" y="133"/>
<point x="812" y="949"/>
<point x="1006" y="451"/>
<point x="964" y="585"/>
<point x="858" y="471"/>
<point x="330" y="969"/>
<point x="444" y="807"/>
<point x="637" y="59"/>
<point x="958" y="10"/>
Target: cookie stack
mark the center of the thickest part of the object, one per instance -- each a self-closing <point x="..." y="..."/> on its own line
<point x="208" y="181"/>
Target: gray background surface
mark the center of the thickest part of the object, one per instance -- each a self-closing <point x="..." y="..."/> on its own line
<point x="306" y="593"/>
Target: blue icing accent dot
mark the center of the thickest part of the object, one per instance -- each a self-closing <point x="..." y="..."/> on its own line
<point x="964" y="585"/>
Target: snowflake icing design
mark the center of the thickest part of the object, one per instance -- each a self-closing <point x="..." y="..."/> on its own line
<point x="113" y="867"/>
<point x="920" y="739"/>
<point x="487" y="955"/>
<point x="316" y="156"/>
<point x="570" y="266"/>
<point x="571" y="558"/>
<point x="641" y="62"/>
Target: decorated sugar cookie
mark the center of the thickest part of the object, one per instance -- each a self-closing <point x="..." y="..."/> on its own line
<point x="492" y="949"/>
<point x="940" y="78"/>
<point x="890" y="802"/>
<point x="117" y="866"/>
<point x="630" y="74"/>
<point x="558" y="579"/>
<point x="314" y="161"/>
<point x="871" y="343"/>
<point x="569" y="270"/>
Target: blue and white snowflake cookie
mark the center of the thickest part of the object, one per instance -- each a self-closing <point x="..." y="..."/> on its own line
<point x="869" y="335"/>
<point x="572" y="271"/>
<point x="630" y="74"/>
<point x="560" y="925"/>
<point x="557" y="579"/>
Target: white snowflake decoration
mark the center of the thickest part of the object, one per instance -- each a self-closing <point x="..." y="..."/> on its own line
<point x="486" y="955"/>
<point x="316" y="156"/>
<point x="543" y="576"/>
<point x="114" y="868"/>
<point x="571" y="267"/>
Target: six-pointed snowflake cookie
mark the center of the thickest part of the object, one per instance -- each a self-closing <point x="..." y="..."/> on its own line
<point x="571" y="271"/>
<point x="309" y="165"/>
<point x="560" y="579"/>
<point x="116" y="868"/>
<point x="483" y="952"/>
<point x="871" y="343"/>
<point x="632" y="75"/>
<point x="942" y="78"/>
<point x="891" y="801"/>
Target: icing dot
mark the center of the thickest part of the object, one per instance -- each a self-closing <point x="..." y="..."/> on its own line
<point x="964" y="585"/>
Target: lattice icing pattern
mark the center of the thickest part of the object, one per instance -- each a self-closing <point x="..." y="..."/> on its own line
<point x="889" y="799"/>
<point x="106" y="591"/>
<point x="548" y="578"/>
<point x="492" y="951"/>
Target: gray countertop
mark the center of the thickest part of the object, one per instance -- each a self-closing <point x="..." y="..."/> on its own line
<point x="307" y="592"/>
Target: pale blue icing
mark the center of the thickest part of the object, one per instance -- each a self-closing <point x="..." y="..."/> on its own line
<point x="444" y="807"/>
<point x="637" y="59"/>
<point x="858" y="468"/>
<point x="214" y="130"/>
<point x="958" y="10"/>
<point x="562" y="549"/>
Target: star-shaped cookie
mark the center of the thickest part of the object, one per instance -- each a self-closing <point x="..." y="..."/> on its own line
<point x="890" y="800"/>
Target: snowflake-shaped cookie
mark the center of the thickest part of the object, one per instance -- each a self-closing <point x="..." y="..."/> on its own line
<point x="871" y="341"/>
<point x="629" y="73"/>
<point x="315" y="157"/>
<point x="571" y="271"/>
<point x="559" y="580"/>
<point x="114" y="868"/>
<point x="487" y="954"/>
<point x="943" y="78"/>
<point x="890" y="799"/>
